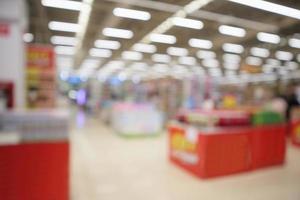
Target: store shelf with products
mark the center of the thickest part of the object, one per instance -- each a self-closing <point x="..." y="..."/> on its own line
<point x="294" y="126"/>
<point x="216" y="143"/>
<point x="133" y="119"/>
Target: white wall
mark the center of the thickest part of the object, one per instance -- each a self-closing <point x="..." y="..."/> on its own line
<point x="12" y="47"/>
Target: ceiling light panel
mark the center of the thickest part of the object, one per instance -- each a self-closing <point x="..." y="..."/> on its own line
<point x="231" y="58"/>
<point x="162" y="38"/>
<point x="233" y="48"/>
<point x="187" y="23"/>
<point x="139" y="66"/>
<point x="107" y="44"/>
<point x="273" y="62"/>
<point x="187" y="60"/>
<point x="63" y="26"/>
<point x="284" y="55"/>
<point x="162" y="58"/>
<point x="132" y="14"/>
<point x="295" y="43"/>
<point x="64" y="40"/>
<point x="215" y="72"/>
<point x="177" y="51"/>
<point x="90" y="63"/>
<point x="260" y="52"/>
<point x="132" y="55"/>
<point x="231" y="66"/>
<point x="28" y="37"/>
<point x="210" y="63"/>
<point x="253" y="61"/>
<point x="161" y="68"/>
<point x="271" y="7"/>
<point x="268" y="37"/>
<point x="64" y="50"/>
<point x="101" y="53"/>
<point x="204" y="54"/>
<point x="200" y="43"/>
<point x="63" y="4"/>
<point x="117" y="33"/>
<point x="144" y="48"/>
<point x="232" y="31"/>
<point x="291" y="65"/>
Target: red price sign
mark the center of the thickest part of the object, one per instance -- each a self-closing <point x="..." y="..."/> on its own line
<point x="4" y="29"/>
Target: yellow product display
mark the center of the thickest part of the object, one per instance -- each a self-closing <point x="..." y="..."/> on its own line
<point x="179" y="142"/>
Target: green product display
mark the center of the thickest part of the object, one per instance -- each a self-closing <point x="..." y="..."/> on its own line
<point x="267" y="117"/>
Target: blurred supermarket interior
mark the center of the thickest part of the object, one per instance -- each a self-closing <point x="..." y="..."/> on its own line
<point x="149" y="99"/>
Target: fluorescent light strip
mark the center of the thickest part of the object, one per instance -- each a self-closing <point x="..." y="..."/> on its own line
<point x="295" y="43"/>
<point x="187" y="23"/>
<point x="270" y="7"/>
<point x="260" y="52"/>
<point x="117" y="33"/>
<point x="101" y="53"/>
<point x="200" y="43"/>
<point x="28" y="37"/>
<point x="187" y="60"/>
<point x="231" y="66"/>
<point x="233" y="48"/>
<point x="64" y="40"/>
<point x="268" y="38"/>
<point x="63" y="26"/>
<point x="273" y="62"/>
<point x="291" y="65"/>
<point x="253" y="61"/>
<point x="230" y="73"/>
<point x="132" y="55"/>
<point x="63" y="4"/>
<point x="215" y="72"/>
<point x="232" y="31"/>
<point x="90" y="63"/>
<point x="210" y="63"/>
<point x="231" y="58"/>
<point x="162" y="58"/>
<point x="203" y="54"/>
<point x="107" y="44"/>
<point x="284" y="55"/>
<point x="161" y="68"/>
<point x="177" y="51"/>
<point x="163" y="38"/>
<point x="145" y="48"/>
<point x="132" y="14"/>
<point x="64" y="50"/>
<point x="139" y="66"/>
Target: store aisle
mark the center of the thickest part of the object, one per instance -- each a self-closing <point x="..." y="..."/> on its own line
<point x="106" y="166"/>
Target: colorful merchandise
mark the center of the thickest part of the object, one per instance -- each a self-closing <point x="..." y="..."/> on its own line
<point x="40" y="77"/>
<point x="130" y="119"/>
<point x="267" y="117"/>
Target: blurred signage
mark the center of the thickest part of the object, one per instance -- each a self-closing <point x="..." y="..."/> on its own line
<point x="39" y="56"/>
<point x="251" y="69"/>
<point x="4" y="29"/>
<point x="40" y="76"/>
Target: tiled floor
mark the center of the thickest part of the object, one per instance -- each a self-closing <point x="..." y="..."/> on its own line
<point x="106" y="166"/>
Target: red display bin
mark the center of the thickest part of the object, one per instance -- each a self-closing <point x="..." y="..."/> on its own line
<point x="211" y="153"/>
<point x="34" y="171"/>
<point x="223" y="151"/>
<point x="295" y="132"/>
<point x="268" y="145"/>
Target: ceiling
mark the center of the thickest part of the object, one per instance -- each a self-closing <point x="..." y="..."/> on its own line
<point x="213" y="14"/>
